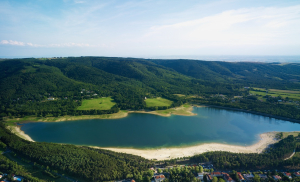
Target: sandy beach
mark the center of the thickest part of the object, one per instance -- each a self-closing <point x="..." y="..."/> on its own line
<point x="169" y="153"/>
<point x="17" y="131"/>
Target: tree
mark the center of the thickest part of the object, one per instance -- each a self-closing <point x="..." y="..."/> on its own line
<point x="159" y="170"/>
<point x="201" y="169"/>
<point x="215" y="179"/>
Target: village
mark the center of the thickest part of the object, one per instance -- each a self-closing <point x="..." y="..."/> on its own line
<point x="206" y="173"/>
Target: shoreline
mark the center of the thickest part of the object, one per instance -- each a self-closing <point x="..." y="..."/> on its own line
<point x="166" y="153"/>
<point x="266" y="139"/>
<point x="17" y="131"/>
<point x="182" y="110"/>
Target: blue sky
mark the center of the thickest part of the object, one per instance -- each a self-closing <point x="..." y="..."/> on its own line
<point x="145" y="28"/>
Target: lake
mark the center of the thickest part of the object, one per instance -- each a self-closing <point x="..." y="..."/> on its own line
<point x="152" y="131"/>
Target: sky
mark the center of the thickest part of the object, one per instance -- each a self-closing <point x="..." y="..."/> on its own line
<point x="148" y="28"/>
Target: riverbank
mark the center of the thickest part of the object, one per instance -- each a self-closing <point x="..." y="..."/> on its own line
<point x="184" y="110"/>
<point x="266" y="139"/>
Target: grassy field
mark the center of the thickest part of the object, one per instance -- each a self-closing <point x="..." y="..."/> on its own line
<point x="99" y="104"/>
<point x="152" y="102"/>
<point x="286" y="134"/>
<point x="291" y="94"/>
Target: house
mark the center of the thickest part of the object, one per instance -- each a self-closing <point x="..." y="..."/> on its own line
<point x="217" y="174"/>
<point x="263" y="176"/>
<point x="240" y="176"/>
<point x="208" y="177"/>
<point x="276" y="177"/>
<point x="279" y="100"/>
<point x="51" y="98"/>
<point x="200" y="176"/>
<point x="297" y="174"/>
<point x="159" y="178"/>
<point x="227" y="178"/>
<point x="248" y="177"/>
<point x="289" y="175"/>
<point x="18" y="178"/>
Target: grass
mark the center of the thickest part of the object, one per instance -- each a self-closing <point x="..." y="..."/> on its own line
<point x="98" y="104"/>
<point x="152" y="102"/>
<point x="286" y="134"/>
<point x="179" y="95"/>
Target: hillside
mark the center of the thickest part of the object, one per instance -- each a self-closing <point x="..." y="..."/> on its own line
<point x="25" y="84"/>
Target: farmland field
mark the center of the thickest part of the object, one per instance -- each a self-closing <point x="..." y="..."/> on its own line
<point x="98" y="104"/>
<point x="291" y="94"/>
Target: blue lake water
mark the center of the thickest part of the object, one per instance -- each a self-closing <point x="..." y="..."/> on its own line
<point x="152" y="131"/>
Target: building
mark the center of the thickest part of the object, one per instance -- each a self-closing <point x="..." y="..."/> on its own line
<point x="248" y="177"/>
<point x="200" y="176"/>
<point x="159" y="178"/>
<point x="276" y="177"/>
<point x="263" y="176"/>
<point x="217" y="174"/>
<point x="208" y="177"/>
<point x="227" y="178"/>
<point x="51" y="98"/>
<point x="289" y="175"/>
<point x="297" y="174"/>
<point x="240" y="176"/>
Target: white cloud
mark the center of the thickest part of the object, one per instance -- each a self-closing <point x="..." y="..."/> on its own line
<point x="247" y="26"/>
<point x="11" y="42"/>
<point x="71" y="44"/>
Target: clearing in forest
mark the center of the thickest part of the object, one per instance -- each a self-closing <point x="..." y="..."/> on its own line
<point x="152" y="102"/>
<point x="98" y="104"/>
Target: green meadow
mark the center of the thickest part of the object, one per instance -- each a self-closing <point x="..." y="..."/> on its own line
<point x="98" y="104"/>
<point x="152" y="102"/>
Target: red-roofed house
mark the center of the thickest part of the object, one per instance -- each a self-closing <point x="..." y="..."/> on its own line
<point x="276" y="177"/>
<point x="289" y="175"/>
<point x="240" y="176"/>
<point x="208" y="177"/>
<point x="228" y="178"/>
<point x="159" y="178"/>
<point x="297" y="174"/>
